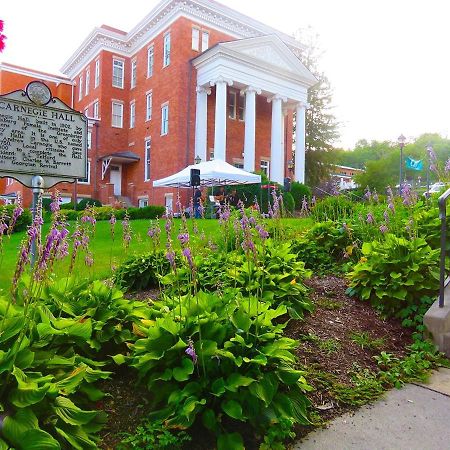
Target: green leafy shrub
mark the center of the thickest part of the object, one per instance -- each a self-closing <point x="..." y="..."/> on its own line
<point x="142" y="272"/>
<point x="71" y="214"/>
<point x="109" y="315"/>
<point x="241" y="369"/>
<point x="45" y="387"/>
<point x="148" y="212"/>
<point x="88" y="202"/>
<point x="395" y="274"/>
<point x="275" y="275"/>
<point x="325" y="246"/>
<point x="69" y="205"/>
<point x="22" y="222"/>
<point x="334" y="208"/>
<point x="288" y="202"/>
<point x="299" y="191"/>
<point x="153" y="435"/>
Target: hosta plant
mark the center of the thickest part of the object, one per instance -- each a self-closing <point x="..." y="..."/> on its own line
<point x="221" y="362"/>
<point x="394" y="274"/>
<point x="45" y="388"/>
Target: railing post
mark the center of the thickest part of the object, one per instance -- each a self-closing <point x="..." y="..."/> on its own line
<point x="443" y="217"/>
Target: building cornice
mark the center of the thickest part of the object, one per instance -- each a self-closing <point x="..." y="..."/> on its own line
<point x="5" y="67"/>
<point x="209" y="12"/>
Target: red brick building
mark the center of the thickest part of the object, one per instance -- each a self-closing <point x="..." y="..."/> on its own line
<point x="193" y="79"/>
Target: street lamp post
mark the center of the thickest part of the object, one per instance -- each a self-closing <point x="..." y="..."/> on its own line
<point x="429" y="152"/>
<point x="401" y="143"/>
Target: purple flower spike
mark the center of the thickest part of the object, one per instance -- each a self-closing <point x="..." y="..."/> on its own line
<point x="370" y="218"/>
<point x="170" y="255"/>
<point x="263" y="234"/>
<point x="183" y="238"/>
<point x="447" y="166"/>
<point x="383" y="228"/>
<point x="188" y="255"/>
<point x="191" y="351"/>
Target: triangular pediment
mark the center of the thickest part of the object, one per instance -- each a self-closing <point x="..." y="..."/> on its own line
<point x="270" y="50"/>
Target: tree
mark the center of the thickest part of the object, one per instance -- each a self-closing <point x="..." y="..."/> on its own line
<point x="2" y="37"/>
<point x="321" y="125"/>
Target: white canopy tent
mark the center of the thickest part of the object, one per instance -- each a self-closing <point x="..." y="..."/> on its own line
<point x="212" y="173"/>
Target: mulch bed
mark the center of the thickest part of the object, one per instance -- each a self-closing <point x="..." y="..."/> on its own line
<point x="336" y="317"/>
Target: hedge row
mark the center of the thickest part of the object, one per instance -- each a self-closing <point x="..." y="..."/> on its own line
<point x="105" y="213"/>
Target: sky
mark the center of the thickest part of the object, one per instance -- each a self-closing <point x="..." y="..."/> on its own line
<point x="388" y="61"/>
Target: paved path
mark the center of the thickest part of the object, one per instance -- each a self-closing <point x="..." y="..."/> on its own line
<point x="416" y="417"/>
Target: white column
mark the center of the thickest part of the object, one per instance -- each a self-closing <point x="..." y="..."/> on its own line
<point x="201" y="114"/>
<point x="276" y="149"/>
<point x="300" y="143"/>
<point x="220" y="128"/>
<point x="250" y="128"/>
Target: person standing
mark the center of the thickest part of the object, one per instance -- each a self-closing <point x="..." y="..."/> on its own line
<point x="197" y="201"/>
<point x="233" y="198"/>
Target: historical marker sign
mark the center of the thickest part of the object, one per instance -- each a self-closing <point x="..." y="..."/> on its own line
<point x="41" y="135"/>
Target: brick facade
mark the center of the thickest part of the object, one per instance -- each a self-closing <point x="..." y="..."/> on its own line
<point x="174" y="85"/>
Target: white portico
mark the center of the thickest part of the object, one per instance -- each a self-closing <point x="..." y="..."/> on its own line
<point x="260" y="66"/>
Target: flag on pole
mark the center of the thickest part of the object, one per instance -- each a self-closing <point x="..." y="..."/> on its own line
<point x="414" y="164"/>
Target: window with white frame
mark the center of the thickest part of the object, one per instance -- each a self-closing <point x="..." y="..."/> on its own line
<point x="80" y="87"/>
<point x="164" y="119"/>
<point x="195" y="39"/>
<point x="143" y="202"/>
<point x="133" y="73"/>
<point x="147" y="160"/>
<point x="236" y="105"/>
<point x="118" y="73"/>
<point x="166" y="50"/>
<point x="132" y="113"/>
<point x="148" y="105"/>
<point x="117" y="115"/>
<point x="89" y="139"/>
<point x="97" y="73"/>
<point x="265" y="167"/>
<point x="95" y="108"/>
<point x="88" y="81"/>
<point x="86" y="180"/>
<point x="150" y="60"/>
<point x="205" y="40"/>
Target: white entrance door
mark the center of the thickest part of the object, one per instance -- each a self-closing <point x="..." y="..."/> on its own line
<point x="115" y="177"/>
<point x="169" y="202"/>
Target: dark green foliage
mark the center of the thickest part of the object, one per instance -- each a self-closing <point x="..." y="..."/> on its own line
<point x="299" y="191"/>
<point x="336" y="208"/>
<point x="71" y="214"/>
<point x="277" y="278"/>
<point x="148" y="212"/>
<point x="321" y="125"/>
<point x="244" y="371"/>
<point x="22" y="222"/>
<point x="153" y="435"/>
<point x="324" y="247"/>
<point x="88" y="201"/>
<point x="288" y="202"/>
<point x="395" y="274"/>
<point x="141" y="272"/>
<point x="68" y="205"/>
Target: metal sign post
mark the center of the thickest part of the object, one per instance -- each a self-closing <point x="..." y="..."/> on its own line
<point x="38" y="188"/>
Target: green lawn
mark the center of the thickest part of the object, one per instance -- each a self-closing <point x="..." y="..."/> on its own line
<point x="108" y="252"/>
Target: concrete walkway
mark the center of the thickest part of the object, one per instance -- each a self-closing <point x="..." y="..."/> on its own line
<point x="416" y="417"/>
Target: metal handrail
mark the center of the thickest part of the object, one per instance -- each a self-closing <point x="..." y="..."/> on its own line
<point x="443" y="216"/>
